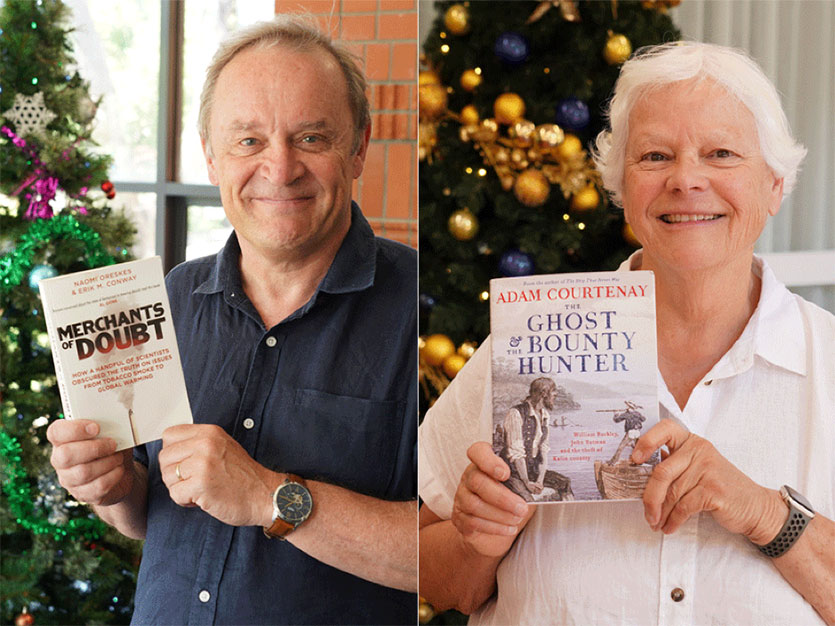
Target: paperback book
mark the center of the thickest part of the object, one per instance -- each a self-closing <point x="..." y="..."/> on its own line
<point x="574" y="373"/>
<point x="114" y="349"/>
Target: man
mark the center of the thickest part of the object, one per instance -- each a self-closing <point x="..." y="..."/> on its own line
<point x="524" y="444"/>
<point x="633" y="422"/>
<point x="298" y="346"/>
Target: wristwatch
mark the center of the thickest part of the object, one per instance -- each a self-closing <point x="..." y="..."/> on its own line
<point x="292" y="505"/>
<point x="800" y="514"/>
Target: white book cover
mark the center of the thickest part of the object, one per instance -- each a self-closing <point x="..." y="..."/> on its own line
<point x="114" y="349"/>
<point x="574" y="376"/>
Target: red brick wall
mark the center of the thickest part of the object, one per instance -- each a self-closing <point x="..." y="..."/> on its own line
<point x="383" y="33"/>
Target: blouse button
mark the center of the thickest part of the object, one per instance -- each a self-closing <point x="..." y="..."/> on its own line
<point x="677" y="594"/>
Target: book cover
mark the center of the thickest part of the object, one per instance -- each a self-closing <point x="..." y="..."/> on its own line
<point x="114" y="349"/>
<point x="574" y="375"/>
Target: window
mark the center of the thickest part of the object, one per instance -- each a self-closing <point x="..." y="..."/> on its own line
<point x="147" y="62"/>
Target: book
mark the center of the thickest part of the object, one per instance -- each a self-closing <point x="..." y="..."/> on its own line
<point x="114" y="349"/>
<point x="574" y="377"/>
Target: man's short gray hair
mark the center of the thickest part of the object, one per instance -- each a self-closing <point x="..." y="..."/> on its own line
<point x="656" y="66"/>
<point x="300" y="34"/>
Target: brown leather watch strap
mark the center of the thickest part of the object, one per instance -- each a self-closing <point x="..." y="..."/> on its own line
<point x="279" y="529"/>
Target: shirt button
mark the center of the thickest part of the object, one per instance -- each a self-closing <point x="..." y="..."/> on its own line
<point x="271" y="342"/>
<point x="249" y="423"/>
<point x="204" y="596"/>
<point x="677" y="594"/>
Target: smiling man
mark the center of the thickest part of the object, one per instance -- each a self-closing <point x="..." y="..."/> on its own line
<point x="291" y="497"/>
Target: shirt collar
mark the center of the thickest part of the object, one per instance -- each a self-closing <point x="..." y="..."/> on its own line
<point x="352" y="268"/>
<point x="775" y="331"/>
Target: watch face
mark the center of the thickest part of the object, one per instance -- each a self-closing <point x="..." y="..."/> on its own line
<point x="294" y="503"/>
<point x="799" y="498"/>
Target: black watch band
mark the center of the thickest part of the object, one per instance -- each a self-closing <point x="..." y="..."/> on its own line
<point x="800" y="514"/>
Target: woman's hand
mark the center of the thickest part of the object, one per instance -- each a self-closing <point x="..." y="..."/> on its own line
<point x="487" y="514"/>
<point x="695" y="477"/>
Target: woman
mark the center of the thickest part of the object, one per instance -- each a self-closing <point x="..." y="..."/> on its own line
<point x="699" y="155"/>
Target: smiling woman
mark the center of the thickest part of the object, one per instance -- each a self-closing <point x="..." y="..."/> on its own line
<point x="700" y="157"/>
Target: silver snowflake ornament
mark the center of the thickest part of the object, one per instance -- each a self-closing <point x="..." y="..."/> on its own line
<point x="29" y="114"/>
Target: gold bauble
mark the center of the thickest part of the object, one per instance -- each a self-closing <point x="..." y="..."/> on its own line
<point x="509" y="108"/>
<point x="532" y="188"/>
<point x="629" y="236"/>
<point x="517" y="156"/>
<point x="585" y="199"/>
<point x="433" y="99"/>
<point x="470" y="79"/>
<point x="462" y="224"/>
<point x="428" y="77"/>
<point x="617" y="49"/>
<point x="550" y="135"/>
<point x="425" y="612"/>
<point x="457" y="19"/>
<point x="469" y="115"/>
<point x="467" y="349"/>
<point x="453" y="364"/>
<point x="436" y="348"/>
<point x="507" y="182"/>
<point x="570" y="147"/>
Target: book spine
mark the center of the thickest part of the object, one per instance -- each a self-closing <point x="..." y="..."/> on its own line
<point x="55" y="344"/>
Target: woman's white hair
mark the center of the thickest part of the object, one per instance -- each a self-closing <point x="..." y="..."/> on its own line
<point x="655" y="66"/>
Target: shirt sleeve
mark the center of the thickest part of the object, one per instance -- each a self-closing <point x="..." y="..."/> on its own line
<point x="461" y="416"/>
<point x="513" y="435"/>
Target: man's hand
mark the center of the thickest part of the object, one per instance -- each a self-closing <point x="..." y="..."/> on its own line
<point x="216" y="474"/>
<point x="89" y="468"/>
<point x="694" y="478"/>
<point x="487" y="514"/>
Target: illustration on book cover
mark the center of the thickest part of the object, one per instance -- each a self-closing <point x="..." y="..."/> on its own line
<point x="574" y="376"/>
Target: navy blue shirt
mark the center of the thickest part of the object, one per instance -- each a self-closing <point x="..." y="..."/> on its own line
<point x="329" y="394"/>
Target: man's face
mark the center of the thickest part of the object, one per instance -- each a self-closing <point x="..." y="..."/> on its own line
<point x="549" y="398"/>
<point x="697" y="191"/>
<point x="281" y="133"/>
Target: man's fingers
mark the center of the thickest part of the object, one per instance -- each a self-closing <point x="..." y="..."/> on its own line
<point x="63" y="431"/>
<point x="85" y="473"/>
<point x="77" y="452"/>
<point x="483" y="457"/>
<point x="667" y="432"/>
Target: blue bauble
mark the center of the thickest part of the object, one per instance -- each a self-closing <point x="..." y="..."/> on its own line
<point x="572" y="114"/>
<point x="512" y="48"/>
<point x="38" y="273"/>
<point x="516" y="263"/>
<point x="427" y="302"/>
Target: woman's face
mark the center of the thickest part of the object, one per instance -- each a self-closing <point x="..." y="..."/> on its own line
<point x="697" y="192"/>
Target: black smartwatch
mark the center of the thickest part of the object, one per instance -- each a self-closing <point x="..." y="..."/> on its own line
<point x="800" y="514"/>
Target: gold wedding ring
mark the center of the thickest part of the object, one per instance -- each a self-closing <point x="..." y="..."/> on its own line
<point x="177" y="472"/>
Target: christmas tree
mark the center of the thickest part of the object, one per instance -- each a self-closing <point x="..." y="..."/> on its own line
<point x="60" y="564"/>
<point x="510" y="100"/>
<point x="511" y="97"/>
